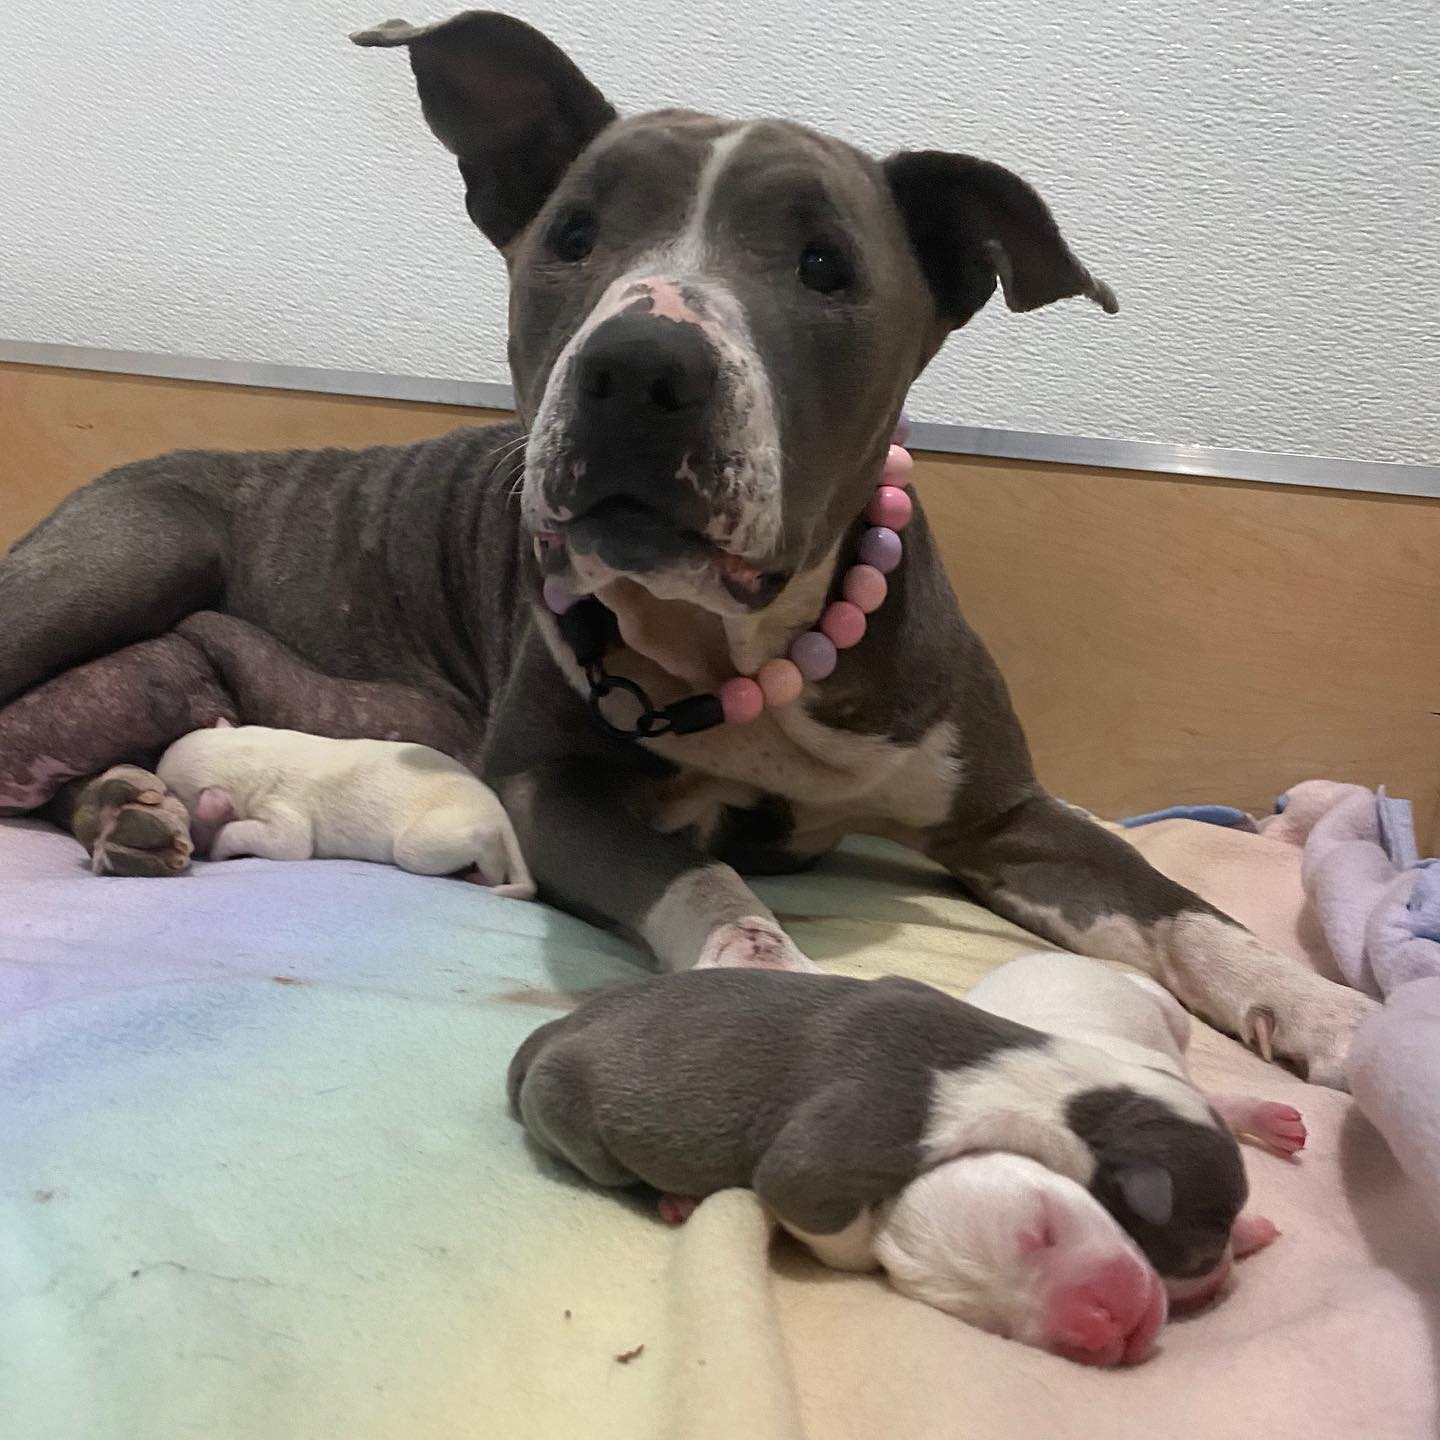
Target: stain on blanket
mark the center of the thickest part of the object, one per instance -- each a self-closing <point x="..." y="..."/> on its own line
<point x="626" y="1356"/>
<point x="549" y="999"/>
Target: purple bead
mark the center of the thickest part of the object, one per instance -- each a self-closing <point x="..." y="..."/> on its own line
<point x="558" y="599"/>
<point x="902" y="429"/>
<point x="813" y="654"/>
<point x="881" y="548"/>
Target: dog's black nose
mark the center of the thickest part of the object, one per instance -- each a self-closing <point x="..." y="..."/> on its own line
<point x="638" y="367"/>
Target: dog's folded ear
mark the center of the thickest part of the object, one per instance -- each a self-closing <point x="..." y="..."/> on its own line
<point x="1143" y="1188"/>
<point x="509" y="103"/>
<point x="972" y="223"/>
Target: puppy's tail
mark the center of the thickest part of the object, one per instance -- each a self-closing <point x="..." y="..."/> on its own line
<point x="524" y="1057"/>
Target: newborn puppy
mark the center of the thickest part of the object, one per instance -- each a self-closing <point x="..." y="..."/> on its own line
<point x="283" y="795"/>
<point x="828" y="1096"/>
<point x="1010" y="1247"/>
<point x="1137" y="1021"/>
<point x="1003" y="1243"/>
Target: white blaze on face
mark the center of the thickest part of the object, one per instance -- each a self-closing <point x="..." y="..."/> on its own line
<point x="744" y="493"/>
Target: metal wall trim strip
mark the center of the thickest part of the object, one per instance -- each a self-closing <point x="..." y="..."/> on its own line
<point x="1266" y="467"/>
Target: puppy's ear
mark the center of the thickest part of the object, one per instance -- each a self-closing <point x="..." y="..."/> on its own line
<point x="510" y="104"/>
<point x="972" y="223"/>
<point x="1145" y="1189"/>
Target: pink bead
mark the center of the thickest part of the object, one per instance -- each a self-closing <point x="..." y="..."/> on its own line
<point x="890" y="506"/>
<point x="780" y="682"/>
<point x="843" y="624"/>
<point x="741" y="699"/>
<point x="865" y="588"/>
<point x="814" y="655"/>
<point x="898" y="465"/>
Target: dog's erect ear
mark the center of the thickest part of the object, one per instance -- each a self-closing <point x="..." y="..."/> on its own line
<point x="510" y="104"/>
<point x="972" y="223"/>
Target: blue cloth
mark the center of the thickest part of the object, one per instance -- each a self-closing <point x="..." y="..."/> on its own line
<point x="1397" y="830"/>
<point x="1226" y="815"/>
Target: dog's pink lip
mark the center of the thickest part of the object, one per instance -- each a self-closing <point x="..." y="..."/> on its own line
<point x="743" y="579"/>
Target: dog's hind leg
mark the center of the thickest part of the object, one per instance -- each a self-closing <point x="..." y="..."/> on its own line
<point x="119" y="561"/>
<point x="1060" y="874"/>
<point x="71" y="742"/>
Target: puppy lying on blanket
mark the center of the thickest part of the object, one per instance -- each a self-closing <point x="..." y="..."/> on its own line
<point x="283" y="795"/>
<point x="830" y="1096"/>
<point x="1133" y="1019"/>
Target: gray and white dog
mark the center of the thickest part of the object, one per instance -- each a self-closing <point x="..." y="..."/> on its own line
<point x="712" y="327"/>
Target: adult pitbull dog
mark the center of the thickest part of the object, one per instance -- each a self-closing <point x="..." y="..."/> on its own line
<point x="712" y="327"/>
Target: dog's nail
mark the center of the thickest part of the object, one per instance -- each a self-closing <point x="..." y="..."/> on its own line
<point x="149" y="797"/>
<point x="1261" y="1024"/>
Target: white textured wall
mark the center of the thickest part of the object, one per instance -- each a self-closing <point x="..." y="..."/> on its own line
<point x="1261" y="183"/>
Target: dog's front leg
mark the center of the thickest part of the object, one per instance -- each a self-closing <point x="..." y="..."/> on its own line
<point x="1058" y="873"/>
<point x="591" y="854"/>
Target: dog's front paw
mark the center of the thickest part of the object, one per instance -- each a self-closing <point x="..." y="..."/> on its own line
<point x="753" y="943"/>
<point x="132" y="825"/>
<point x="1309" y="1025"/>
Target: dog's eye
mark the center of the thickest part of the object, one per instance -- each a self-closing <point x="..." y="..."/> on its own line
<point x="822" y="268"/>
<point x="574" y="237"/>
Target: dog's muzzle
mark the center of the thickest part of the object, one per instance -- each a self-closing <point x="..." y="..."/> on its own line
<point x="641" y="412"/>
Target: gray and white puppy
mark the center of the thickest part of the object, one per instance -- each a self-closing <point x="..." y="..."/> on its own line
<point x="828" y="1095"/>
<point x="1137" y="1021"/>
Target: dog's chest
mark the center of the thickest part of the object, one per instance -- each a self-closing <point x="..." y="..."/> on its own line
<point x="829" y="777"/>
<point x="832" y="779"/>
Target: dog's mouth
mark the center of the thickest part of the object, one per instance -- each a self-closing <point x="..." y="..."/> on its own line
<point x="632" y="538"/>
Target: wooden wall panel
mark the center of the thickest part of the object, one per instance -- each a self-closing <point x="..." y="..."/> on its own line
<point x="1172" y="641"/>
<point x="1167" y="640"/>
<point x="60" y="428"/>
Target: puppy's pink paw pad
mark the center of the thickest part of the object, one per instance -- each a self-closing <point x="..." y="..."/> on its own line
<point x="1252" y="1233"/>
<point x="1281" y="1127"/>
<point x="677" y="1209"/>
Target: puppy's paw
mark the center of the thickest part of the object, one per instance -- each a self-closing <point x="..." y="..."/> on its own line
<point x="753" y="943"/>
<point x="1251" y="1233"/>
<point x="1278" y="1127"/>
<point x="677" y="1209"/>
<point x="133" y="825"/>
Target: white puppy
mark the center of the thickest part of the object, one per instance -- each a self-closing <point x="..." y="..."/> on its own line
<point x="1009" y="1246"/>
<point x="283" y="795"/>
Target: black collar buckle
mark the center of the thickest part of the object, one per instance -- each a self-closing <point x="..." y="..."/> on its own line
<point x="589" y="629"/>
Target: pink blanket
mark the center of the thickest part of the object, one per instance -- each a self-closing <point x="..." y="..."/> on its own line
<point x="1333" y="879"/>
